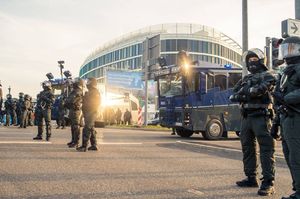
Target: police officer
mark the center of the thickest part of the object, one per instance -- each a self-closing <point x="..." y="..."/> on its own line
<point x="24" y="107"/>
<point x="61" y="112"/>
<point x="90" y="110"/>
<point x="289" y="96"/>
<point x="29" y="114"/>
<point x="19" y="108"/>
<point x="10" y="109"/>
<point x="74" y="104"/>
<point x="44" y="105"/>
<point x="253" y="93"/>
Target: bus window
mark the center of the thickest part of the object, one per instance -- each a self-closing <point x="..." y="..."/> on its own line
<point x="233" y="79"/>
<point x="210" y="81"/>
<point x="220" y="81"/>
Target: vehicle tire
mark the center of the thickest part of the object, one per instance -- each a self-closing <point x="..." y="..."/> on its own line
<point x="238" y="133"/>
<point x="185" y="133"/>
<point x="214" y="130"/>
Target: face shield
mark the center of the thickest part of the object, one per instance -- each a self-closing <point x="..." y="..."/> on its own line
<point x="288" y="50"/>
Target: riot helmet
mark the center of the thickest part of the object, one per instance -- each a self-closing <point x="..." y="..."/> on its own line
<point x="46" y="85"/>
<point x="21" y="95"/>
<point x="26" y="97"/>
<point x="254" y="66"/>
<point x="91" y="83"/>
<point x="78" y="83"/>
<point x="289" y="50"/>
<point x="8" y="96"/>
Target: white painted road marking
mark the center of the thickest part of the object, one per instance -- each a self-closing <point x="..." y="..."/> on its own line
<point x="219" y="147"/>
<point x="23" y="142"/>
<point x="120" y="143"/>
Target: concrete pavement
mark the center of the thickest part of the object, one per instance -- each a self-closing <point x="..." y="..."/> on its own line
<point x="130" y="164"/>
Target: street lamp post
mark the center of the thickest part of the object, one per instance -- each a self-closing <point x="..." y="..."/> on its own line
<point x="245" y="30"/>
<point x="61" y="66"/>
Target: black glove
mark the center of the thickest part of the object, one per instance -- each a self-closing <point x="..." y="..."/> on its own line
<point x="278" y="96"/>
<point x="275" y="132"/>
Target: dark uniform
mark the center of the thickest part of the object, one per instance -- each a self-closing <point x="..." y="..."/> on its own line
<point x="74" y="104"/>
<point x="90" y="108"/>
<point x="289" y="97"/>
<point x="61" y="112"/>
<point x="19" y="108"/>
<point x="24" y="107"/>
<point x="44" y="105"/>
<point x="10" y="110"/>
<point x="253" y="93"/>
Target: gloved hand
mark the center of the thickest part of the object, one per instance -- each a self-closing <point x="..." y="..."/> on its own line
<point x="275" y="132"/>
<point x="278" y="96"/>
<point x="253" y="91"/>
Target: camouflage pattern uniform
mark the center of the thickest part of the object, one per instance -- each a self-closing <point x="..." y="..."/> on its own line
<point x="24" y="107"/>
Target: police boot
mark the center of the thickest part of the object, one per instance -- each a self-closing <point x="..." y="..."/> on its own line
<point x="266" y="188"/>
<point x="40" y="133"/>
<point x="81" y="149"/>
<point x="250" y="181"/>
<point x="73" y="145"/>
<point x="93" y="148"/>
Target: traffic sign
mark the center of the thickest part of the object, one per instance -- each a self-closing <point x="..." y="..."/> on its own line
<point x="290" y="27"/>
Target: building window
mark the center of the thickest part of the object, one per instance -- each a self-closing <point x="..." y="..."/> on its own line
<point x="171" y="45"/>
<point x="182" y="44"/>
<point x="163" y="45"/>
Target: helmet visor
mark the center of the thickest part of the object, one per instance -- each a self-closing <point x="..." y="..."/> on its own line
<point x="288" y="50"/>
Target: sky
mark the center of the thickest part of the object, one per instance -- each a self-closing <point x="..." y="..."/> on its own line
<point x="35" y="34"/>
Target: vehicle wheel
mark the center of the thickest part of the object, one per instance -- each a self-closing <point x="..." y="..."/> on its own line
<point x="185" y="133"/>
<point x="214" y="130"/>
<point x="238" y="133"/>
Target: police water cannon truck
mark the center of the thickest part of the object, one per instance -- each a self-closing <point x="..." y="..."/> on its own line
<point x="193" y="98"/>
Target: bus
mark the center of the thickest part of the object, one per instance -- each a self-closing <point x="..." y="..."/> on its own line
<point x="195" y="99"/>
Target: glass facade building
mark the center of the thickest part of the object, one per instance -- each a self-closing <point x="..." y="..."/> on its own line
<point x="125" y="53"/>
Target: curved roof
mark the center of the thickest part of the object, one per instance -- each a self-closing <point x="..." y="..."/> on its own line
<point x="170" y="29"/>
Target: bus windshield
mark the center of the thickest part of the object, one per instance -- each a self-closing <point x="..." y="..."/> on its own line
<point x="170" y="85"/>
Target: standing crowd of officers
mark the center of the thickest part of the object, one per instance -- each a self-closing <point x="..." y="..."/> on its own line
<point x="17" y="112"/>
<point x="268" y="103"/>
<point x="80" y="105"/>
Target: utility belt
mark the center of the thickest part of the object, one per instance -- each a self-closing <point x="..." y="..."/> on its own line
<point x="255" y="106"/>
<point x="268" y="113"/>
